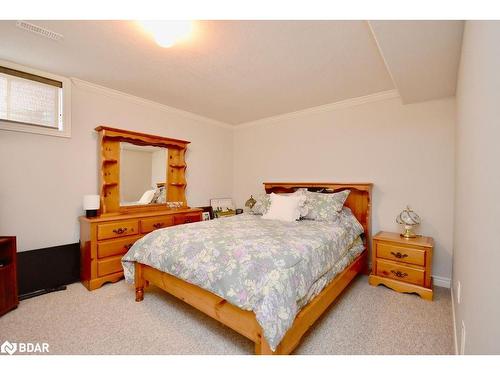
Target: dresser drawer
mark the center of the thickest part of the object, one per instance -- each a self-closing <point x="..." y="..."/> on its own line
<point x="115" y="247"/>
<point x="149" y="225"/>
<point x="109" y="266"/>
<point x="401" y="272"/>
<point x="114" y="230"/>
<point x="401" y="254"/>
<point x="187" y="218"/>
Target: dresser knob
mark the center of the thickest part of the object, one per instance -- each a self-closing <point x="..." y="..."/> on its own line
<point x="158" y="225"/>
<point x="120" y="230"/>
<point x="399" y="255"/>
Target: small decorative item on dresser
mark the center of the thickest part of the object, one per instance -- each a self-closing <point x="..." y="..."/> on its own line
<point x="402" y="264"/>
<point x="91" y="204"/>
<point x="409" y="219"/>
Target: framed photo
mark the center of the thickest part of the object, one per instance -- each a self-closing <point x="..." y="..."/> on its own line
<point x="208" y="213"/>
<point x="222" y="207"/>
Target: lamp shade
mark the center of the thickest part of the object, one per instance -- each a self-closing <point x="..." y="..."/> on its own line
<point x="250" y="202"/>
<point x="408" y="218"/>
<point x="91" y="202"/>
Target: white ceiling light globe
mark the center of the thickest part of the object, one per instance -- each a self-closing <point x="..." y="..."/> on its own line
<point x="167" y="33"/>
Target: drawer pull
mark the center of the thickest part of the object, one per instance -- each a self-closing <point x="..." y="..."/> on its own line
<point x="399" y="255"/>
<point x="158" y="225"/>
<point x="120" y="230"/>
<point x="399" y="273"/>
<point x="188" y="220"/>
<point x="128" y="246"/>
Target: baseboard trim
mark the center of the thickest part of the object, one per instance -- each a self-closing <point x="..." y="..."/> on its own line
<point x="444" y="282"/>
<point x="454" y="321"/>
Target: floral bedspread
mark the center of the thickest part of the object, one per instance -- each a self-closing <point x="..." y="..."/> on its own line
<point x="266" y="266"/>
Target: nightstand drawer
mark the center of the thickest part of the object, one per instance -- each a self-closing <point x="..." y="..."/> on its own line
<point x="401" y="254"/>
<point x="113" y="230"/>
<point x="398" y="271"/>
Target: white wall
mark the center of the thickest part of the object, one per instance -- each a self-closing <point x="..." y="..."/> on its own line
<point x="43" y="178"/>
<point x="477" y="204"/>
<point x="407" y="151"/>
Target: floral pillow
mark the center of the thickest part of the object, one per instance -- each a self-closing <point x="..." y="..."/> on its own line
<point x="323" y="206"/>
<point x="262" y="204"/>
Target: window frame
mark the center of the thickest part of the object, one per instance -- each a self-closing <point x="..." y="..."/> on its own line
<point x="40" y="129"/>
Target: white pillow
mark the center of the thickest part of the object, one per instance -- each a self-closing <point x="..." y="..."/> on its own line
<point x="147" y="197"/>
<point x="284" y="207"/>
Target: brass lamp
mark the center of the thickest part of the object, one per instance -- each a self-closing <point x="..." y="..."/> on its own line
<point x="250" y="202"/>
<point x="408" y="219"/>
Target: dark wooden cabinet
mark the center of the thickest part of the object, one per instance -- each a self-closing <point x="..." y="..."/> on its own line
<point x="8" y="275"/>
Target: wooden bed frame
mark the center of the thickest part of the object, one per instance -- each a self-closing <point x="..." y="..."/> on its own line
<point x="244" y="322"/>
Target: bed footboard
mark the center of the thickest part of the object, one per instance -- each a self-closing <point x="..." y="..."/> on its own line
<point x="242" y="321"/>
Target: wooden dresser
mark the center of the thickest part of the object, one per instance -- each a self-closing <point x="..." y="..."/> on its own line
<point x="8" y="275"/>
<point x="404" y="265"/>
<point x="105" y="239"/>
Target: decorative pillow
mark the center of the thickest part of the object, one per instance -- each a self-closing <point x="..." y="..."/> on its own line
<point x="147" y="197"/>
<point x="263" y="202"/>
<point x="325" y="207"/>
<point x="284" y="207"/>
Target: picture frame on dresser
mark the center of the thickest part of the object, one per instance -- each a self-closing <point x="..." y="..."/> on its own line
<point x="207" y="210"/>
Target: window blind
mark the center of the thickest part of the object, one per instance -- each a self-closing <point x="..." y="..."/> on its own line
<point x="30" y="99"/>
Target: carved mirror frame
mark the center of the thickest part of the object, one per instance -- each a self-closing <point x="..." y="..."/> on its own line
<point x="109" y="161"/>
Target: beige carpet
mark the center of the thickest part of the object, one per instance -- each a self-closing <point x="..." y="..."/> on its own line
<point x="364" y="320"/>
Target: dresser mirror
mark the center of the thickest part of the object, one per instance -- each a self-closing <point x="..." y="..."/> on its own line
<point x="140" y="172"/>
<point x="143" y="174"/>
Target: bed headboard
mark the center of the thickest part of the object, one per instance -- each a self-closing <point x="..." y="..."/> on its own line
<point x="359" y="200"/>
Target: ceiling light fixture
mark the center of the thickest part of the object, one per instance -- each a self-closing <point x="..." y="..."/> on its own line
<point x="167" y="33"/>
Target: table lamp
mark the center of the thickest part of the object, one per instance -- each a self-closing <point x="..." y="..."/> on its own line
<point x="91" y="204"/>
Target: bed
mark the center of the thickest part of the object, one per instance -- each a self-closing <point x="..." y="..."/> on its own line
<point x="266" y="279"/>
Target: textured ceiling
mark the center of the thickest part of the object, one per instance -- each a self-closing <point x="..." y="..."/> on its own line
<point x="231" y="71"/>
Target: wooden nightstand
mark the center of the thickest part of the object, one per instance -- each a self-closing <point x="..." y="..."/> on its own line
<point x="402" y="264"/>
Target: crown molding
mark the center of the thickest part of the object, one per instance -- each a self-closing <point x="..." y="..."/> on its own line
<point x="379" y="96"/>
<point x="383" y="95"/>
<point x="146" y="102"/>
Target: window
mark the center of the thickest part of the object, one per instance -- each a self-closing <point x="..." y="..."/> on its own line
<point x="33" y="101"/>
